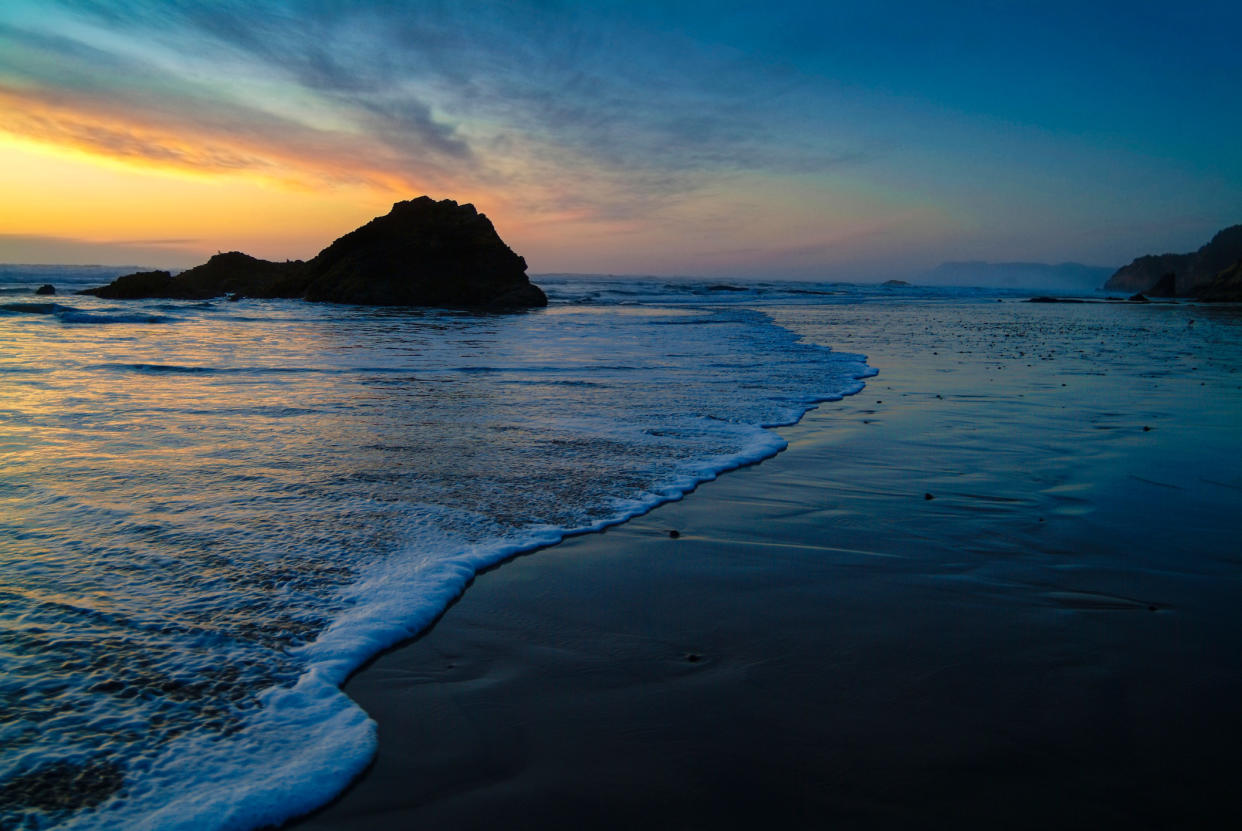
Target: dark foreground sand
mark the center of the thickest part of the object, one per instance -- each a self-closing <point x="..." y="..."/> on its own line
<point x="1053" y="641"/>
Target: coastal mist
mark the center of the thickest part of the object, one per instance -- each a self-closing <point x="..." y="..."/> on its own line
<point x="212" y="512"/>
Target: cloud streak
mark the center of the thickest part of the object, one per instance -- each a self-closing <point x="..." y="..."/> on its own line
<point x="612" y="122"/>
<point x="565" y="114"/>
<point x="261" y="145"/>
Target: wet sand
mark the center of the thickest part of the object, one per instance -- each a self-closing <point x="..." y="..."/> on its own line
<point x="1052" y="640"/>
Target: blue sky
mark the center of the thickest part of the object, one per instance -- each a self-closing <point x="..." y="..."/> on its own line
<point x="774" y="139"/>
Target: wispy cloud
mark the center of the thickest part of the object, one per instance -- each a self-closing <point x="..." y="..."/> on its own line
<point x="191" y="141"/>
<point x="614" y="122"/>
<point x="567" y="115"/>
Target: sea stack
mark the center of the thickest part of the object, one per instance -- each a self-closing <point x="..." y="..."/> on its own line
<point x="421" y="253"/>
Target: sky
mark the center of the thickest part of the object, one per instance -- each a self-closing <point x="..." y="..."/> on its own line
<point x="775" y="139"/>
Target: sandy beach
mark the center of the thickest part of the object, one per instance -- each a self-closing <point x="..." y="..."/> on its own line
<point x="512" y="415"/>
<point x="998" y="588"/>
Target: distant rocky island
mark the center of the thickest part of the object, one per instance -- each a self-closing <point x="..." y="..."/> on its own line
<point x="422" y="253"/>
<point x="1214" y="272"/>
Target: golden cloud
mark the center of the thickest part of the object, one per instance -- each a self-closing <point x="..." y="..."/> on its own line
<point x="289" y="154"/>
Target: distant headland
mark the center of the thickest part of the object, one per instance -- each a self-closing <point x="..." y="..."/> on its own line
<point x="1214" y="272"/>
<point x="422" y="253"/>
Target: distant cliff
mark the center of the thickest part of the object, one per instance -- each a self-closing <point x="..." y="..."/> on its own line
<point x="422" y="253"/>
<point x="1226" y="285"/>
<point x="1192" y="272"/>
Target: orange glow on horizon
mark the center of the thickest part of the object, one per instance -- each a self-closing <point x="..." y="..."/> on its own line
<point x="73" y="169"/>
<point x="82" y="129"/>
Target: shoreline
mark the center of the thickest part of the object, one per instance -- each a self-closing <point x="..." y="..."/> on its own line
<point x="822" y="641"/>
<point x="567" y="538"/>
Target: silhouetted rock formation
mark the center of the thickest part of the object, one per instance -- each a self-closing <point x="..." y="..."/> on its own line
<point x="46" y="288"/>
<point x="238" y="273"/>
<point x="222" y="274"/>
<point x="1166" y="286"/>
<point x="1191" y="272"/>
<point x="894" y="283"/>
<point x="422" y="253"/>
<point x="1144" y="272"/>
<point x="1225" y="286"/>
<point x="138" y="285"/>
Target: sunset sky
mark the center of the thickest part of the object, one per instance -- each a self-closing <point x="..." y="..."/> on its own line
<point x="769" y="139"/>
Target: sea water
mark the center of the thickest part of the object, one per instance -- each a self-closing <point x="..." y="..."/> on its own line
<point x="212" y="512"/>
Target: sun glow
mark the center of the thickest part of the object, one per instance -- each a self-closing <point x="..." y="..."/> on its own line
<point x="66" y="192"/>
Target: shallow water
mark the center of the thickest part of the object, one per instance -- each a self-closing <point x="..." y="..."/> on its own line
<point x="1120" y="420"/>
<point x="210" y="513"/>
<point x="1050" y="641"/>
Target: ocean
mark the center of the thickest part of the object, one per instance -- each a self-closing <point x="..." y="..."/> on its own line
<point x="213" y="512"/>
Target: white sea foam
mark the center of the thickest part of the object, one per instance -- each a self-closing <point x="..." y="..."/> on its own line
<point x="208" y="525"/>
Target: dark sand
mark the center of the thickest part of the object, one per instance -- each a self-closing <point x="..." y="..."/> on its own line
<point x="1053" y="641"/>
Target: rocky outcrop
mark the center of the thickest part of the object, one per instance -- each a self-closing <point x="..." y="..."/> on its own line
<point x="138" y="285"/>
<point x="232" y="273"/>
<point x="1144" y="272"/>
<point x="1226" y="286"/>
<point x="422" y="253"/>
<point x="1166" y="286"/>
<point x="46" y="288"/>
<point x="1191" y="272"/>
<point x="238" y="273"/>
